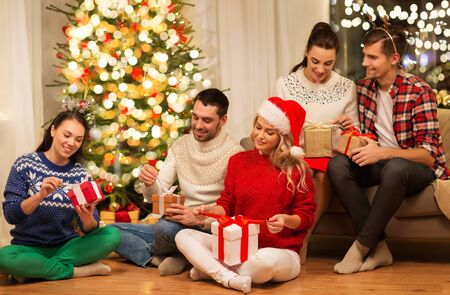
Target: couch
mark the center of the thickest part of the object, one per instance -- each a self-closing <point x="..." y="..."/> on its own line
<point x="418" y="218"/>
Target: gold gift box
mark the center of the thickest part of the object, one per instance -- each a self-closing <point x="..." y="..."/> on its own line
<point x="109" y="217"/>
<point x="347" y="143"/>
<point x="168" y="199"/>
<point x="318" y="142"/>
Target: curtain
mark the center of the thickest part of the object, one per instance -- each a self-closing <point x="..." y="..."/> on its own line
<point x="20" y="96"/>
<point x="248" y="44"/>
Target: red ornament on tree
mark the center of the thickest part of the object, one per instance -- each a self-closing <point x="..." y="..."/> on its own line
<point x="135" y="27"/>
<point x="109" y="188"/>
<point x="107" y="38"/>
<point x="137" y="73"/>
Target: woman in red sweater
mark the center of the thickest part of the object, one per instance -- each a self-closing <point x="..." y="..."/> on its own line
<point x="272" y="183"/>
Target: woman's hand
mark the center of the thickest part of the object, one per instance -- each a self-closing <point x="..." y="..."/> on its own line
<point x="86" y="213"/>
<point x="198" y="210"/>
<point x="201" y="208"/>
<point x="344" y="120"/>
<point x="276" y="223"/>
<point x="49" y="185"/>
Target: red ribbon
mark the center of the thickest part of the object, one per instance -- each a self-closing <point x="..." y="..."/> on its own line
<point x="352" y="131"/>
<point x="122" y="215"/>
<point x="242" y="222"/>
<point x="180" y="34"/>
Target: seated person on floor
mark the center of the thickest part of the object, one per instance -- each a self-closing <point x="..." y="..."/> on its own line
<point x="198" y="161"/>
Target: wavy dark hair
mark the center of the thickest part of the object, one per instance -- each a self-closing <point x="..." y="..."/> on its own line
<point x="61" y="117"/>
<point x="321" y="36"/>
<point x="214" y="97"/>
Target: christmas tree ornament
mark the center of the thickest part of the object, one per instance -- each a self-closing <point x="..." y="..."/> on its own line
<point x="95" y="133"/>
<point x="113" y="206"/>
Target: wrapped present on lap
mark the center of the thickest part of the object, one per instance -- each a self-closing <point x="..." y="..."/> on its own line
<point x="88" y="192"/>
<point x="351" y="139"/>
<point x="234" y="239"/>
<point x="318" y="139"/>
<point x="163" y="201"/>
<point x="129" y="213"/>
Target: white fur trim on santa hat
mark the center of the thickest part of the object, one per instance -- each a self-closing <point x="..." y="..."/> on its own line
<point x="275" y="116"/>
<point x="297" y="152"/>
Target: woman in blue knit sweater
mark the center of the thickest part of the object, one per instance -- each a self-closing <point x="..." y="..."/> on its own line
<point x="46" y="242"/>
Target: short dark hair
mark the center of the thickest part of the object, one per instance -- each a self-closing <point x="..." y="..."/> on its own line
<point x="215" y="97"/>
<point x="382" y="34"/>
<point x="321" y="36"/>
<point x="61" y="117"/>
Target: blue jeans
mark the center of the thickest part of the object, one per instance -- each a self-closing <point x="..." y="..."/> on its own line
<point x="140" y="242"/>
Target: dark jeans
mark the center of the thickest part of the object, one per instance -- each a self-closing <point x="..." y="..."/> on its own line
<point x="396" y="179"/>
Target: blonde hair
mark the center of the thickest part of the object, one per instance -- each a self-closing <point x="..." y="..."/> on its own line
<point x="281" y="158"/>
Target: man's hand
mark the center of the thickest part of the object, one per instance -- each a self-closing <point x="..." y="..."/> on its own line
<point x="148" y="175"/>
<point x="182" y="214"/>
<point x="368" y="154"/>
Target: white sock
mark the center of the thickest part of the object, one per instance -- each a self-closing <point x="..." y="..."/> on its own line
<point x="157" y="260"/>
<point x="381" y="256"/>
<point x="94" y="269"/>
<point x="173" y="265"/>
<point x="352" y="260"/>
<point x="196" y="275"/>
<point x="241" y="283"/>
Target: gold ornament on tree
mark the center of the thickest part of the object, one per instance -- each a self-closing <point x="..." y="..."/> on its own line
<point x="113" y="206"/>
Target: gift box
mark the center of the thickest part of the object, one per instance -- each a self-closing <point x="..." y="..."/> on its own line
<point x="318" y="141"/>
<point x="351" y="139"/>
<point x="88" y="192"/>
<point x="109" y="217"/>
<point x="150" y="219"/>
<point x="234" y="240"/>
<point x="163" y="201"/>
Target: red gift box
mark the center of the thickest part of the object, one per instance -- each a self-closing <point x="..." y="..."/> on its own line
<point x="351" y="139"/>
<point x="88" y="192"/>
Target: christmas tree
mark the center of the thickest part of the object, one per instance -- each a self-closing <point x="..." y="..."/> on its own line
<point x="133" y="62"/>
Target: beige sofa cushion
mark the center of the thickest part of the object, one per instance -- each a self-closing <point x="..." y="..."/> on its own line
<point x="444" y="127"/>
<point x="420" y="204"/>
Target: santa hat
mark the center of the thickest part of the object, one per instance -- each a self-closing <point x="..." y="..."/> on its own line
<point x="287" y="116"/>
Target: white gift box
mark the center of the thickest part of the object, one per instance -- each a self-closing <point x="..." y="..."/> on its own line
<point x="232" y="242"/>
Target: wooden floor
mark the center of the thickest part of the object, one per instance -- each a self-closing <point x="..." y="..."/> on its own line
<point x="404" y="277"/>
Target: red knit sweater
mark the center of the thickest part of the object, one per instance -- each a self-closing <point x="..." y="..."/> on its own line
<point x="256" y="189"/>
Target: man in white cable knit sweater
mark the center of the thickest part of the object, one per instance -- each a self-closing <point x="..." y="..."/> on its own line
<point x="198" y="161"/>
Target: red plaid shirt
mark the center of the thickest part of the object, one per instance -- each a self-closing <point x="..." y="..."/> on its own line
<point x="414" y="115"/>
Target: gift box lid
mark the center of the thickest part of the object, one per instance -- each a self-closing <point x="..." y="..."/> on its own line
<point x="169" y="198"/>
<point x="234" y="231"/>
<point x="86" y="192"/>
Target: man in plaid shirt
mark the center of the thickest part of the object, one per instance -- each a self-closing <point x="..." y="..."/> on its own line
<point x="400" y="109"/>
